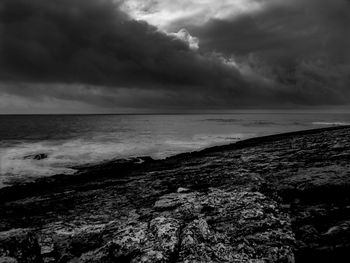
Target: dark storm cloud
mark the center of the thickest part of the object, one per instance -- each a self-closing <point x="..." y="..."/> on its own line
<point x="309" y="28"/>
<point x="88" y="41"/>
<point x="89" y="50"/>
<point x="284" y="35"/>
<point x="94" y="43"/>
<point x="302" y="44"/>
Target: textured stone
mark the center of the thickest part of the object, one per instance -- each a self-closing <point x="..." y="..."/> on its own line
<point x="268" y="199"/>
<point x="20" y="245"/>
<point x="8" y="260"/>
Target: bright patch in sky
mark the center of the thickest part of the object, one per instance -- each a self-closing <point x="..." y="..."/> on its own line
<point x="165" y="13"/>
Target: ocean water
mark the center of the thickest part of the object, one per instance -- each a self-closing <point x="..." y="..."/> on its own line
<point x="71" y="140"/>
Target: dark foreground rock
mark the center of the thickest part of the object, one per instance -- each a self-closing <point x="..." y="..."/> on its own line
<point x="275" y="199"/>
<point x="19" y="245"/>
<point x="38" y="156"/>
<point x="214" y="226"/>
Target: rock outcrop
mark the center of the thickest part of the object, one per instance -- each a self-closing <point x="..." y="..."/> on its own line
<point x="185" y="226"/>
<point x="19" y="245"/>
<point x="37" y="156"/>
<point x="275" y="199"/>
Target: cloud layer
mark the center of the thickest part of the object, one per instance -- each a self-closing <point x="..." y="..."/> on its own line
<point x="172" y="14"/>
<point x="240" y="54"/>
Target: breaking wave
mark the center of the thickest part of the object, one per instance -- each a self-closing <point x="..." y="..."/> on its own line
<point x="336" y="123"/>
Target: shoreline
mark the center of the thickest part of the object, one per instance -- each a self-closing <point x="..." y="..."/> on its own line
<point x="85" y="173"/>
<point x="281" y="198"/>
<point x="254" y="141"/>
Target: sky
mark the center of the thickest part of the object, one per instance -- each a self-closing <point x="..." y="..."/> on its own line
<point x="86" y="56"/>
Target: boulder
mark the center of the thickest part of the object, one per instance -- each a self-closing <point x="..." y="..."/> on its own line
<point x="183" y="190"/>
<point x="139" y="242"/>
<point x="19" y="245"/>
<point x="38" y="156"/>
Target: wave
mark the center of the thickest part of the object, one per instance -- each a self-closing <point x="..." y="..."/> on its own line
<point x="18" y="162"/>
<point x="336" y="123"/>
<point x="15" y="166"/>
<point x="162" y="138"/>
<point x="223" y="120"/>
<point x="261" y="123"/>
<point x="244" y="122"/>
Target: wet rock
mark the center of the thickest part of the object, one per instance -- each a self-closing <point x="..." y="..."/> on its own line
<point x="336" y="231"/>
<point x="101" y="255"/>
<point x="183" y="190"/>
<point x="8" y="260"/>
<point x="39" y="156"/>
<point x="222" y="221"/>
<point x="216" y="226"/>
<point x="60" y="242"/>
<point x="156" y="241"/>
<point x="20" y="245"/>
<point x="308" y="233"/>
<point x="168" y="202"/>
<point x="166" y="232"/>
<point x="153" y="242"/>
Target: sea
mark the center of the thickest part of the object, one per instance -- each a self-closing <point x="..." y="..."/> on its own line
<point x="68" y="141"/>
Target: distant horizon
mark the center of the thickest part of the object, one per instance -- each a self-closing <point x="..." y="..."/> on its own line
<point x="336" y="110"/>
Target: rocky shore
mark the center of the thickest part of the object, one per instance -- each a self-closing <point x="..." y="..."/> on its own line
<point x="282" y="198"/>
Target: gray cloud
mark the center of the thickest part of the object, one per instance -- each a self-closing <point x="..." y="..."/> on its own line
<point x="91" y="51"/>
<point x="302" y="44"/>
<point x="94" y="43"/>
<point x="310" y="28"/>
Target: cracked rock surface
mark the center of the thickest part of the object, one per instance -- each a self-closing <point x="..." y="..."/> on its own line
<point x="283" y="198"/>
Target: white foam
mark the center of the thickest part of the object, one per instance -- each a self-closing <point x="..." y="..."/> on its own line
<point x="62" y="155"/>
<point x="132" y="136"/>
<point x="198" y="142"/>
<point x="336" y="123"/>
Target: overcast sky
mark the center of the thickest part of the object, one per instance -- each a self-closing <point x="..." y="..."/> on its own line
<point x="172" y="55"/>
